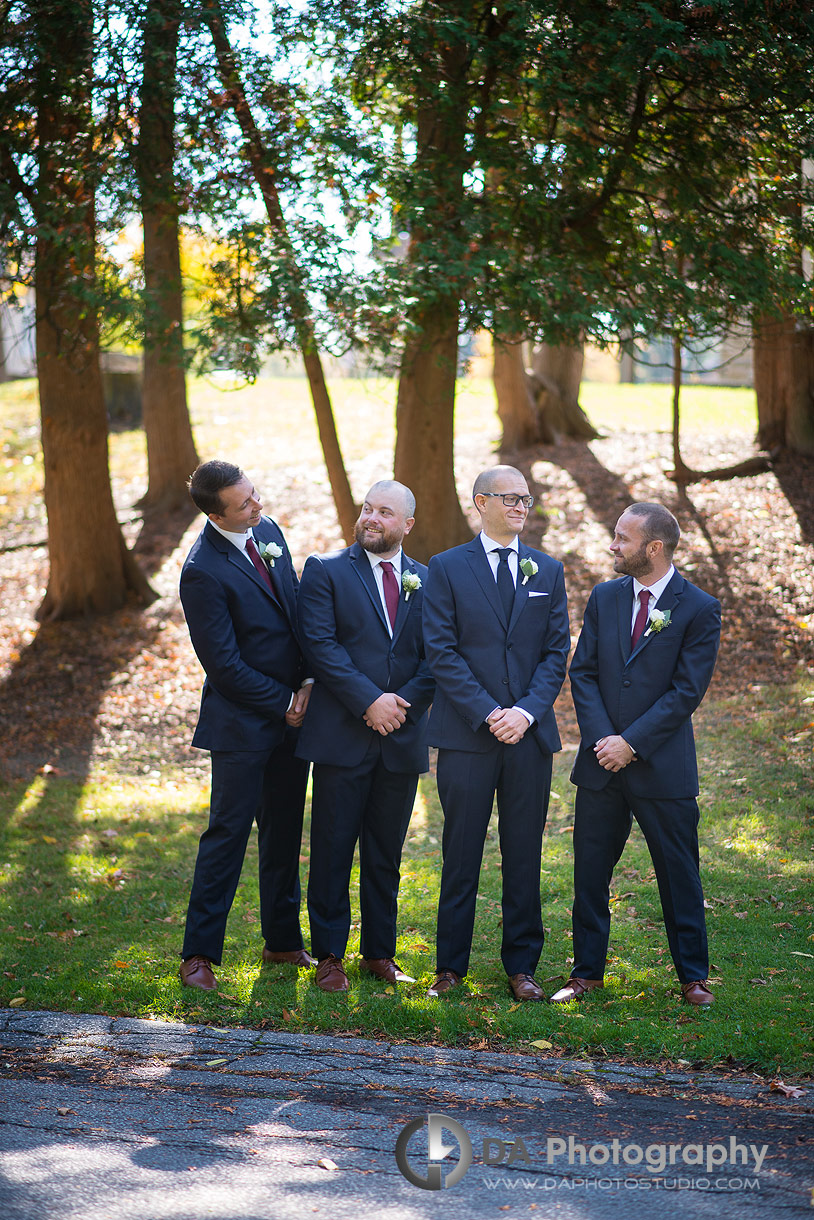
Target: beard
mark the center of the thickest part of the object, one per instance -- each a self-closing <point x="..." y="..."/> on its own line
<point x="637" y="565"/>
<point x="377" y="542"/>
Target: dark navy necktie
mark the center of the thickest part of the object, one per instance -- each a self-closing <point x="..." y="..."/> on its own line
<point x="505" y="584"/>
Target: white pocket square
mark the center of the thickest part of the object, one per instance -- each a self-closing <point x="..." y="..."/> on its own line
<point x="531" y="594"/>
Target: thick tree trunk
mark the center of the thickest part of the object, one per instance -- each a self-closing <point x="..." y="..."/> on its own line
<point x="516" y="408"/>
<point x="556" y="377"/>
<point x="261" y="161"/>
<point x="91" y="569"/>
<point x="425" y="414"/>
<point x="784" y="384"/>
<point x="171" y="453"/>
<point x="425" y="411"/>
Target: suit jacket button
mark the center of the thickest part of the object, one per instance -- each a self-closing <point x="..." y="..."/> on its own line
<point x="505" y="681"/>
<point x="626" y="682"/>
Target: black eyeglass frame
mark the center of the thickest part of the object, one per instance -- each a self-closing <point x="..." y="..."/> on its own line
<point x="506" y="496"/>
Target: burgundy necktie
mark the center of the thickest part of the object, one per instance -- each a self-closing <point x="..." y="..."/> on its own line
<point x="254" y="555"/>
<point x="391" y="591"/>
<point x="641" y="618"/>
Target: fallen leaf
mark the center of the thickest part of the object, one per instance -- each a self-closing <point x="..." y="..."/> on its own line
<point x="541" y="1043"/>
<point x="210" y="1063"/>
<point x="48" y="839"/>
<point x="326" y="1163"/>
<point x="17" y="1001"/>
<point x="65" y="1110"/>
<point x="788" y="1090"/>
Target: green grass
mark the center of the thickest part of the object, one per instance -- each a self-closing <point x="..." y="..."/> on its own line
<point x="94" y="882"/>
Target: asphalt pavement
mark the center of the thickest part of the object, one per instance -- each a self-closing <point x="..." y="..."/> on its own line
<point x="106" y="1119"/>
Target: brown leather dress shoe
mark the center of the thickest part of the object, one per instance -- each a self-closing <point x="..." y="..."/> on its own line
<point x="331" y="974"/>
<point x="386" y="969"/>
<point x="297" y="957"/>
<point x="574" y="989"/>
<point x="197" y="972"/>
<point x="525" y="987"/>
<point x="445" y="980"/>
<point x="698" y="993"/>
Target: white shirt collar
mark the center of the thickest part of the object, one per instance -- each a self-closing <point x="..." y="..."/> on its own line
<point x="238" y="540"/>
<point x="655" y="590"/>
<point x="489" y="544"/>
<point x="377" y="559"/>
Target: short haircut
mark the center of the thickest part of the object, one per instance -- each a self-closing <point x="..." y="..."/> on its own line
<point x="208" y="481"/>
<point x="658" y="524"/>
<point x="386" y="485"/>
<point x="487" y="479"/>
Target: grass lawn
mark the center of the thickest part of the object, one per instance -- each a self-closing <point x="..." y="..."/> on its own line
<point x="95" y="881"/>
<point x="94" y="877"/>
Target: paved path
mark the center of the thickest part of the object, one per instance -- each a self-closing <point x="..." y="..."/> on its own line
<point x="104" y="1119"/>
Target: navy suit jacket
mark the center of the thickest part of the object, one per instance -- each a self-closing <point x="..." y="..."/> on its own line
<point x="245" y="640"/>
<point x="479" y="661"/>
<point x="354" y="660"/>
<point x="648" y="695"/>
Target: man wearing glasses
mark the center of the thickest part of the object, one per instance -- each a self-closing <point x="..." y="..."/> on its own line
<point x="496" y="637"/>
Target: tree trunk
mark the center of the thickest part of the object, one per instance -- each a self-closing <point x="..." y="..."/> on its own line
<point x="425" y="409"/>
<point x="516" y="408"/>
<point x="784" y="384"/>
<point x="261" y="161"/>
<point x="91" y="569"/>
<point x="556" y="377"/>
<point x="425" y="415"/>
<point x="171" y="453"/>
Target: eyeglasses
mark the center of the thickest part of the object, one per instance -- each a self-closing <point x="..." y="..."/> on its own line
<point x="510" y="499"/>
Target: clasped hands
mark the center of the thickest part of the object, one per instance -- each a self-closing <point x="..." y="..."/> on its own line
<point x="296" y="713"/>
<point x="386" y="714"/>
<point x="507" y="724"/>
<point x="613" y="753"/>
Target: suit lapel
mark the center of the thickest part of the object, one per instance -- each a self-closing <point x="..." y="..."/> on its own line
<point x="407" y="565"/>
<point x="521" y="595"/>
<point x="476" y="557"/>
<point x="361" y="566"/>
<point x="667" y="601"/>
<point x="624" y="613"/>
<point x="283" y="594"/>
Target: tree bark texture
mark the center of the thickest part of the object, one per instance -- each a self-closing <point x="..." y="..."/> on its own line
<point x="556" y="377"/>
<point x="171" y="453"/>
<point x="261" y="160"/>
<point x="425" y="408"/>
<point x="784" y="384"/>
<point x="425" y="416"/>
<point x="91" y="570"/>
<point x="516" y="408"/>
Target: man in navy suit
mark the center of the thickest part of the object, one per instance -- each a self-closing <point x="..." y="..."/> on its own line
<point x="497" y="639"/>
<point x="360" y="624"/>
<point x="643" y="662"/>
<point x="241" y="610"/>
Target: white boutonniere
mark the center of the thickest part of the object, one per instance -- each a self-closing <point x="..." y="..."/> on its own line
<point x="529" y="568"/>
<point x="269" y="551"/>
<point x="410" y="581"/>
<point x="657" y="621"/>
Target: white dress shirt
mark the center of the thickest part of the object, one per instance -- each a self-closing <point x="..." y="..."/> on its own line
<point x="490" y="546"/>
<point x="376" y="565"/>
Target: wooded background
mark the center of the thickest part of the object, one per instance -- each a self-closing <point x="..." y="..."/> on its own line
<point x="385" y="178"/>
